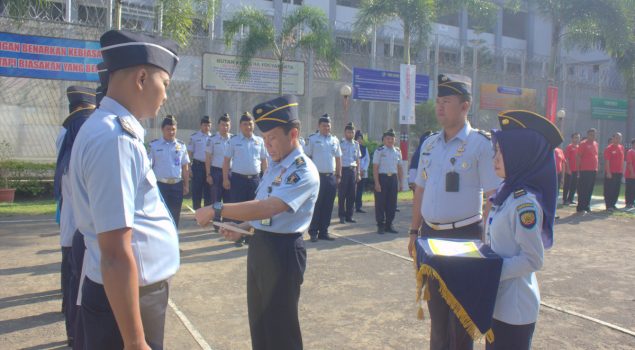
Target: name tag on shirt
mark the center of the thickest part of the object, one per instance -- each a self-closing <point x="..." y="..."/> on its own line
<point x="265" y="222"/>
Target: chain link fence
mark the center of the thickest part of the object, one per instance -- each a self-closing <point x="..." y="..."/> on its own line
<point x="32" y="110"/>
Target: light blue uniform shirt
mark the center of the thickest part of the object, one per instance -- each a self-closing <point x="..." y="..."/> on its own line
<point x="114" y="187"/>
<point x="197" y="145"/>
<point x="168" y="158"/>
<point x="323" y="150"/>
<point x="295" y="181"/>
<point x="246" y="154"/>
<point x="387" y="158"/>
<point x="513" y="232"/>
<point x="473" y="156"/>
<point x="216" y="147"/>
<point x="350" y="152"/>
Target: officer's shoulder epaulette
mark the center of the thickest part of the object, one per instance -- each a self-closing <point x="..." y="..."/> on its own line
<point x="519" y="193"/>
<point x="315" y="133"/>
<point x="155" y="140"/>
<point x="194" y="133"/>
<point x="397" y="149"/>
<point x="380" y="148"/>
<point x="299" y="161"/>
<point x="234" y="136"/>
<point x="126" y="127"/>
<point x="485" y="134"/>
<point x="179" y="141"/>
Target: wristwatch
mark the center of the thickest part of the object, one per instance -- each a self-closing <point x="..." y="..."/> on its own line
<point x="218" y="208"/>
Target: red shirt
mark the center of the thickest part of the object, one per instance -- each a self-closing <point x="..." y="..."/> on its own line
<point x="569" y="155"/>
<point x="559" y="155"/>
<point x="588" y="152"/>
<point x="614" y="154"/>
<point x="630" y="161"/>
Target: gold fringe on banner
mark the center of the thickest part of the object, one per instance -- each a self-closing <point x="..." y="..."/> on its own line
<point x="423" y="293"/>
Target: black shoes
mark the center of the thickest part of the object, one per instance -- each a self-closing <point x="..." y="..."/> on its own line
<point x="326" y="237"/>
<point x="360" y="211"/>
<point x="351" y="220"/>
<point x="380" y="229"/>
<point x="391" y="229"/>
<point x="314" y="239"/>
<point x="342" y="221"/>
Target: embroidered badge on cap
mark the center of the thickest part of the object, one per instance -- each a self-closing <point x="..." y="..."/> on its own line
<point x="528" y="218"/>
<point x="293" y="178"/>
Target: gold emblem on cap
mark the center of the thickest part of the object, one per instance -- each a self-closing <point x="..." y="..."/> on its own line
<point x="444" y="78"/>
<point x="259" y="110"/>
<point x="505" y="121"/>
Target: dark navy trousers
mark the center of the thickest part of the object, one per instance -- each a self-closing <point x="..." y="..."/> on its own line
<point x="200" y="187"/>
<point x="65" y="278"/>
<point x="243" y="187"/>
<point x="509" y="336"/>
<point x="386" y="200"/>
<point x="219" y="193"/>
<point x="77" y="262"/>
<point x="323" y="206"/>
<point x="361" y="187"/>
<point x="275" y="272"/>
<point x="346" y="192"/>
<point x="173" y="197"/>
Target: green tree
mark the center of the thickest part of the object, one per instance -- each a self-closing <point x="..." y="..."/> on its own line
<point x="575" y="16"/>
<point x="306" y="28"/>
<point x="416" y="18"/>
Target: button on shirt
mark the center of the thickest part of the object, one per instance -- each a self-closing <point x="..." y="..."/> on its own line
<point x="246" y="154"/>
<point x="323" y="150"/>
<point x="296" y="182"/>
<point x="197" y="145"/>
<point x="114" y="187"/>
<point x="168" y="158"/>
<point x="216" y="147"/>
<point x="387" y="158"/>
<point x="350" y="152"/>
<point x="476" y="174"/>
<point x="520" y="245"/>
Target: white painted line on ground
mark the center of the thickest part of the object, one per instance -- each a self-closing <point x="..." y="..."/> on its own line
<point x="19" y="221"/>
<point x="190" y="209"/>
<point x="547" y="305"/>
<point x="190" y="328"/>
<point x="589" y="318"/>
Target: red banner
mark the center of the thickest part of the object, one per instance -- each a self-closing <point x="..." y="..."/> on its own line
<point x="552" y="103"/>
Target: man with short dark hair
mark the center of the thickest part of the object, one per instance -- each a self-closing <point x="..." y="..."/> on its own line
<point x="196" y="150"/>
<point x="215" y="156"/>
<point x="571" y="172"/>
<point x="587" y="160"/>
<point x="350" y="175"/>
<point x="613" y="170"/>
<point x="629" y="174"/>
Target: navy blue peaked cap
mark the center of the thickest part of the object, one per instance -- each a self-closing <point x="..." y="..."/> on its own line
<point x="122" y="49"/>
<point x="452" y="84"/>
<point x="277" y="112"/>
<point x="78" y="95"/>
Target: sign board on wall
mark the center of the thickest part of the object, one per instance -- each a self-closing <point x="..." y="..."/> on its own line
<point x="500" y="98"/>
<point x="609" y="108"/>
<point x="383" y="85"/>
<point x="407" y="94"/>
<point x="43" y="57"/>
<point x="220" y="72"/>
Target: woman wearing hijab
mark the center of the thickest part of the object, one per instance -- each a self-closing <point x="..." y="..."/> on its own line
<point x="520" y="224"/>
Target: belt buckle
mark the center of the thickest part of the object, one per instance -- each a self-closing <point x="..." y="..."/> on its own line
<point x="390" y="174"/>
<point x="434" y="226"/>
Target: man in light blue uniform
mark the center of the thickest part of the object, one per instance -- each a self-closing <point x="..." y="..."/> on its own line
<point x="171" y="165"/>
<point x="350" y="175"/>
<point x="387" y="176"/>
<point x="364" y="162"/>
<point x="280" y="214"/>
<point x="196" y="149"/>
<point x="215" y="156"/>
<point x="324" y="149"/>
<point x="131" y="242"/>
<point x="81" y="105"/>
<point x="455" y="170"/>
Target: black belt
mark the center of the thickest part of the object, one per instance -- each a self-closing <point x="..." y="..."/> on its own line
<point x="388" y="174"/>
<point x="215" y="167"/>
<point x="350" y="167"/>
<point x="277" y="234"/>
<point x="196" y="161"/>
<point x="152" y="287"/>
<point x="245" y="176"/>
<point x="326" y="174"/>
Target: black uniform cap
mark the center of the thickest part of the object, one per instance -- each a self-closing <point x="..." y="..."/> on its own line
<point x="325" y="118"/>
<point x="389" y="132"/>
<point x="518" y="119"/>
<point x="358" y="133"/>
<point x="122" y="49"/>
<point x="206" y="120"/>
<point x="452" y="84"/>
<point x="224" y="118"/>
<point x="78" y="95"/>
<point x="349" y="126"/>
<point x="277" y="112"/>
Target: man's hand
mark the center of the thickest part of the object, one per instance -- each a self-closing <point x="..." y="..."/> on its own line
<point x="377" y="187"/>
<point x="226" y="184"/>
<point x="411" y="185"/>
<point x="608" y="175"/>
<point x="359" y="177"/>
<point x="411" y="245"/>
<point x="139" y="346"/>
<point x="400" y="186"/>
<point x="204" y="215"/>
<point x="337" y="180"/>
<point x="186" y="188"/>
<point x="230" y="235"/>
<point x="209" y="179"/>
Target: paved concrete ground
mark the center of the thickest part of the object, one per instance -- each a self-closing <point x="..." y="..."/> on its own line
<point x="354" y="296"/>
